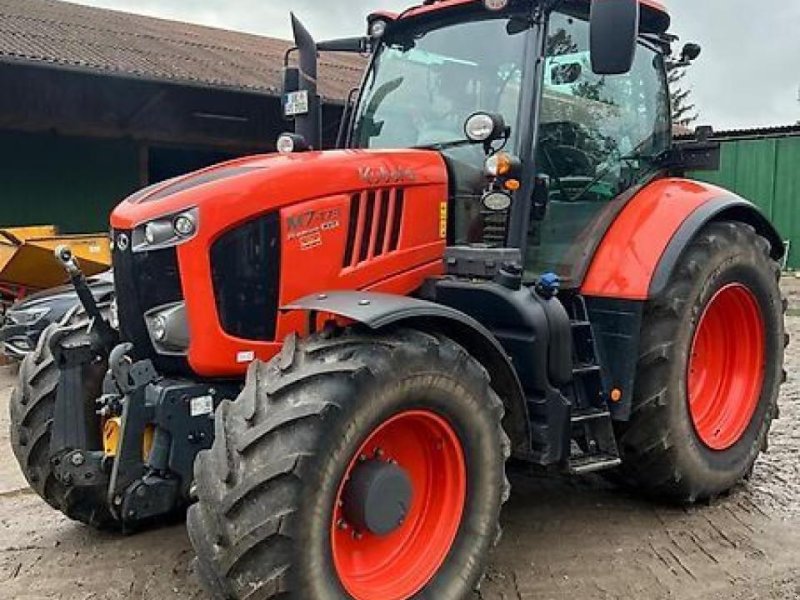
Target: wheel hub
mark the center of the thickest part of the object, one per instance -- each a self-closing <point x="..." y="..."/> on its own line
<point x="377" y="498"/>
<point x="399" y="506"/>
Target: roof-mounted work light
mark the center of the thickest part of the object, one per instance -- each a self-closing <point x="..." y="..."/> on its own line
<point x="377" y="28"/>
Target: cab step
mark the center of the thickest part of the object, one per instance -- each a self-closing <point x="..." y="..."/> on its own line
<point x="591" y="414"/>
<point x="591" y="463"/>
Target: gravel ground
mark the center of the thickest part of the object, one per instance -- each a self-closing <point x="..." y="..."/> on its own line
<point x="564" y="538"/>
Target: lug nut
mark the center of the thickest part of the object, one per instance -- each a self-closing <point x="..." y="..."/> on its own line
<point x="341" y="524"/>
<point x="356" y="535"/>
<point x="77" y="459"/>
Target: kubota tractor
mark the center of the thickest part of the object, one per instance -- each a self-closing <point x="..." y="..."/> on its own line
<point x="501" y="260"/>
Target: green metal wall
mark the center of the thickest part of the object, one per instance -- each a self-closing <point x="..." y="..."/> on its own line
<point x="767" y="172"/>
<point x="68" y="181"/>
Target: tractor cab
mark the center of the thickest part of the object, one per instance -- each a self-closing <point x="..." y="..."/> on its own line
<point x="580" y="132"/>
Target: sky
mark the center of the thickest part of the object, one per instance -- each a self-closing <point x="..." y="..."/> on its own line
<point x="747" y="76"/>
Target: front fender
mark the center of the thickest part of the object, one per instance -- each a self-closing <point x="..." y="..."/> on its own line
<point x="641" y="248"/>
<point x="378" y="311"/>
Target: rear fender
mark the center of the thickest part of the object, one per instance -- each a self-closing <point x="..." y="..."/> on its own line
<point x="637" y="257"/>
<point x="379" y="311"/>
<point x="644" y="244"/>
<point x="726" y="208"/>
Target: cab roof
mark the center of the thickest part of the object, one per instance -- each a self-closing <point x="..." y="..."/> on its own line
<point x="655" y="18"/>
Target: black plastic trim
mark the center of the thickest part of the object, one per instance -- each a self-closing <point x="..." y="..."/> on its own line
<point x="191" y="181"/>
<point x="616" y="327"/>
<point x="245" y="272"/>
<point x="144" y="281"/>
<point x="728" y="206"/>
<point x="376" y="311"/>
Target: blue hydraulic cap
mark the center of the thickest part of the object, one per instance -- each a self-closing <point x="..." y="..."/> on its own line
<point x="549" y="284"/>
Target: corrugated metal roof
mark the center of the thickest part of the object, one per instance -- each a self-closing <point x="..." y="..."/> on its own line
<point x="51" y="32"/>
<point x="741" y="134"/>
<point x="759" y="132"/>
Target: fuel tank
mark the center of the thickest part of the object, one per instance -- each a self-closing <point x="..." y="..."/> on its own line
<point x="220" y="250"/>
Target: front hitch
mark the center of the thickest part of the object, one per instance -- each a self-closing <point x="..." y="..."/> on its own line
<point x="104" y="337"/>
<point x="82" y="359"/>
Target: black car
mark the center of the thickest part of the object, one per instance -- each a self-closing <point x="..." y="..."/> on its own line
<point x="24" y="321"/>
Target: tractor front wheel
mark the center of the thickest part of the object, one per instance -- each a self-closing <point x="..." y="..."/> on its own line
<point x="32" y="407"/>
<point x="353" y="466"/>
<point x="710" y="369"/>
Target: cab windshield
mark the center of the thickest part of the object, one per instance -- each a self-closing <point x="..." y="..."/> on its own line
<point x="424" y="83"/>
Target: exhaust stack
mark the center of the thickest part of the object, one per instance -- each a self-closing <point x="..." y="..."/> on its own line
<point x="309" y="125"/>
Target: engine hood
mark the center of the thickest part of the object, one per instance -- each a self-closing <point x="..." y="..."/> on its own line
<point x="272" y="229"/>
<point x="279" y="180"/>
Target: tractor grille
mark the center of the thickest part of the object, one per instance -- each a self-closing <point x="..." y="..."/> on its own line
<point x="375" y="220"/>
<point x="245" y="269"/>
<point x="145" y="280"/>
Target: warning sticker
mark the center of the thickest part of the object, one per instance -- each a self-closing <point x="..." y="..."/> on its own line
<point x="204" y="405"/>
<point x="312" y="240"/>
<point x="443" y="220"/>
<point x="245" y="357"/>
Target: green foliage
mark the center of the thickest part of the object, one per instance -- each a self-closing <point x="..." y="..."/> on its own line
<point x="684" y="111"/>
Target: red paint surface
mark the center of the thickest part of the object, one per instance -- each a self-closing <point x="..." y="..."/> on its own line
<point x="624" y="264"/>
<point x="398" y="565"/>
<point x="295" y="184"/>
<point x="651" y="6"/>
<point x="726" y="367"/>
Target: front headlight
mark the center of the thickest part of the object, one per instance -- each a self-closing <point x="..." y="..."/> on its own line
<point x="165" y="232"/>
<point x="27" y="316"/>
<point x="169" y="328"/>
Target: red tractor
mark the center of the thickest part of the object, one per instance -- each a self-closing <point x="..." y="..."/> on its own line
<point x="501" y="260"/>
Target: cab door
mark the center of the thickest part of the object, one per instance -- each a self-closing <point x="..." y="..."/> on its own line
<point x="598" y="137"/>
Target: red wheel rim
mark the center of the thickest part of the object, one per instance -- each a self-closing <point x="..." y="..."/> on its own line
<point x="726" y="367"/>
<point x="400" y="564"/>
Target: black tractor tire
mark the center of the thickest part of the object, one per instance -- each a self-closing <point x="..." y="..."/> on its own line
<point x="663" y="453"/>
<point x="31" y="410"/>
<point x="262" y="526"/>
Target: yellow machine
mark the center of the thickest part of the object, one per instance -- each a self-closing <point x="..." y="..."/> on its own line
<point x="27" y="262"/>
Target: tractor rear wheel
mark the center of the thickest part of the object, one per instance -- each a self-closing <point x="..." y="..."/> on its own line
<point x="31" y="411"/>
<point x="353" y="465"/>
<point x="710" y="369"/>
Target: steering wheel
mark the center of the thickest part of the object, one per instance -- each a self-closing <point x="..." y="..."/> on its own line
<point x="569" y="161"/>
<point x="563" y="156"/>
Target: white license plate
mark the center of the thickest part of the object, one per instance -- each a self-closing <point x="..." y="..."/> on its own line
<point x="295" y="103"/>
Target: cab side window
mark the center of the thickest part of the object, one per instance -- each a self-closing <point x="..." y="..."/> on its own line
<point x="598" y="136"/>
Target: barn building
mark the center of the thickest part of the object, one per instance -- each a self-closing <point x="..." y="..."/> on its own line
<point x="95" y="104"/>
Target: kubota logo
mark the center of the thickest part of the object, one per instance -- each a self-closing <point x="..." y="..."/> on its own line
<point x="383" y="176"/>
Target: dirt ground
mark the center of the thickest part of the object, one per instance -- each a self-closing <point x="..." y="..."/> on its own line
<point x="564" y="539"/>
